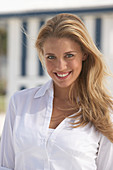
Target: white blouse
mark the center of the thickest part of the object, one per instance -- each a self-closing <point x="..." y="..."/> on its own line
<point x="28" y="144"/>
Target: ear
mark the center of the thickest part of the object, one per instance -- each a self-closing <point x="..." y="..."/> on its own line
<point x="85" y="55"/>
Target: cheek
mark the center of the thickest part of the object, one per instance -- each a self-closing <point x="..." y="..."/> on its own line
<point x="77" y="65"/>
<point x="49" y="66"/>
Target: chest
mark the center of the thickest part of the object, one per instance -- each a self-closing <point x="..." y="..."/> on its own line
<point x="31" y="131"/>
<point x="58" y="115"/>
<point x="56" y="118"/>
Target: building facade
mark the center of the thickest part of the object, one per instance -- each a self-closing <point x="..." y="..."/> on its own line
<point x="24" y="69"/>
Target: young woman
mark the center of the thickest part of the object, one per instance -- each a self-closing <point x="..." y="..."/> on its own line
<point x="65" y="124"/>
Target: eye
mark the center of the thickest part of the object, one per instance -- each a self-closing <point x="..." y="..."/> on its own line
<point x="51" y="57"/>
<point x="69" y="55"/>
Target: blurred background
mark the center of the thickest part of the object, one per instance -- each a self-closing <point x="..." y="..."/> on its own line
<point x="20" y="21"/>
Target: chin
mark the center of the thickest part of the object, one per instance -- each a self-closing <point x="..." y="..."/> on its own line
<point x="63" y="85"/>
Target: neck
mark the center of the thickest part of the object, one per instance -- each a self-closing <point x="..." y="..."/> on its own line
<point x="61" y="93"/>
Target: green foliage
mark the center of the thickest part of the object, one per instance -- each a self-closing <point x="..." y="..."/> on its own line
<point x="3" y="42"/>
<point x="2" y="87"/>
<point x="2" y="104"/>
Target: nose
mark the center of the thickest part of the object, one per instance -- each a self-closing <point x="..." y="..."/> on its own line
<point x="61" y="64"/>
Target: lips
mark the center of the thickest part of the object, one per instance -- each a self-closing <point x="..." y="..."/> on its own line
<point x="62" y="75"/>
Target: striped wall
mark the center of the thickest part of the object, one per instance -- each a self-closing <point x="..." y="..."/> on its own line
<point x="24" y="67"/>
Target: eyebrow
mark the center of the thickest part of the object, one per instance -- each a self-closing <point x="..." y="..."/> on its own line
<point x="49" y="54"/>
<point x="64" y="53"/>
<point x="70" y="52"/>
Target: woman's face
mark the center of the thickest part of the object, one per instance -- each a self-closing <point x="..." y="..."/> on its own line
<point x="63" y="59"/>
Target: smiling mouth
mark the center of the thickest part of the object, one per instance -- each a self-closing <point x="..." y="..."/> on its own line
<point x="62" y="75"/>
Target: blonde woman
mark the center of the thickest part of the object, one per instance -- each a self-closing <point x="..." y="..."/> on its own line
<point x="65" y="124"/>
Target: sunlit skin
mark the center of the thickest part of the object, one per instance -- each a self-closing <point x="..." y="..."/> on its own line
<point x="63" y="59"/>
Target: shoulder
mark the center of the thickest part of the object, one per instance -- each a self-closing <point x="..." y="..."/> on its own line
<point x="27" y="95"/>
<point x="21" y="97"/>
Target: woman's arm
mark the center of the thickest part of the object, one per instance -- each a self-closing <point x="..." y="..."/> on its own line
<point x="7" y="158"/>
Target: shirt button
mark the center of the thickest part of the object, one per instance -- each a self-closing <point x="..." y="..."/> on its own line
<point x="42" y="140"/>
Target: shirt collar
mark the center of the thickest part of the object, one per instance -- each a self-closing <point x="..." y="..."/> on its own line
<point x="44" y="88"/>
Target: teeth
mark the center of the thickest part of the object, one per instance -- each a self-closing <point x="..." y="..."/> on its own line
<point x="62" y="75"/>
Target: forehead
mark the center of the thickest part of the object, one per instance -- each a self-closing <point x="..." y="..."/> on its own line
<point x="53" y="44"/>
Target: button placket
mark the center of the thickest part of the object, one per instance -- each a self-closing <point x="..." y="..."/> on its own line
<point x="52" y="138"/>
<point x="45" y="131"/>
<point x="47" y="118"/>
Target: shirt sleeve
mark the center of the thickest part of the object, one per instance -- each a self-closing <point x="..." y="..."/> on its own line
<point x="105" y="155"/>
<point x="7" y="160"/>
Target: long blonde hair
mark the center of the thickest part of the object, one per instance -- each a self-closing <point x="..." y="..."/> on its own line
<point x="94" y="100"/>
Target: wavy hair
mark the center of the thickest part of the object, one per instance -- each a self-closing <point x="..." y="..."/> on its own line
<point x="94" y="100"/>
